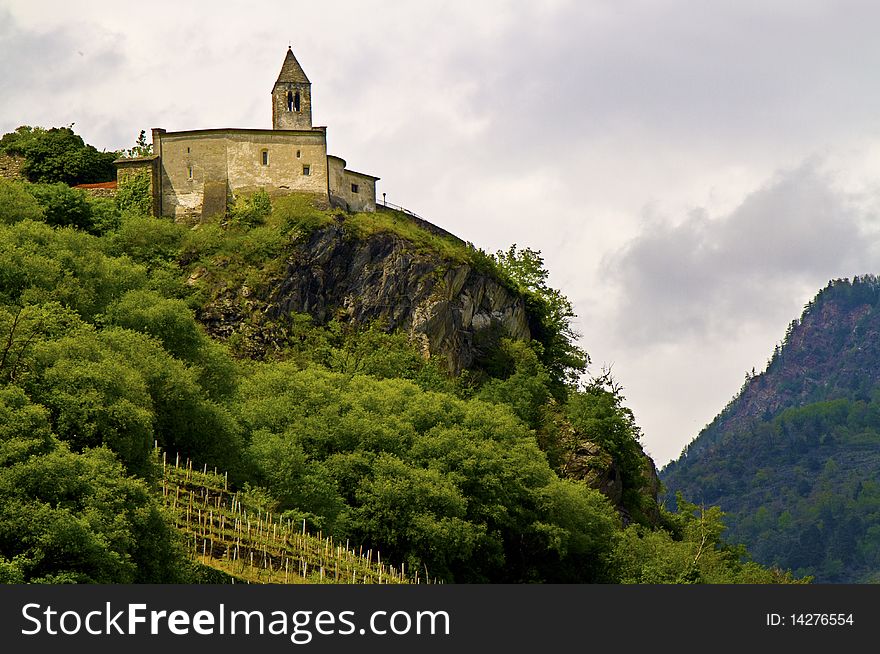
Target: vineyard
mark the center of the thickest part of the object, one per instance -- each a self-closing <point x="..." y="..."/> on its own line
<point x="250" y="545"/>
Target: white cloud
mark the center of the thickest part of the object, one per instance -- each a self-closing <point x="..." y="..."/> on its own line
<point x="710" y="278"/>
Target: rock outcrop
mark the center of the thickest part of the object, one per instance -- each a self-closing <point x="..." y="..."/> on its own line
<point x="590" y="463"/>
<point x="449" y="308"/>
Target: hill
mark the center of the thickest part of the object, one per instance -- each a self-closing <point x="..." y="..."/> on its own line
<point x="384" y="382"/>
<point x="794" y="459"/>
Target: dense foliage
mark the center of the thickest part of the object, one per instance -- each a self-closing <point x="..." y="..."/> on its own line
<point x="133" y="193"/>
<point x="345" y="426"/>
<point x="70" y="517"/>
<point x="58" y="155"/>
<point x="801" y="489"/>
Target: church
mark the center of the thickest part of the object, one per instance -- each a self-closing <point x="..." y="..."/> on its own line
<point x="195" y="173"/>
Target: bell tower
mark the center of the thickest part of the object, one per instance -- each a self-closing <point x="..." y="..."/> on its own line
<point x="292" y="96"/>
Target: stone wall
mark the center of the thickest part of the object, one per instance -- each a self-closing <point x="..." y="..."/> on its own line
<point x="336" y="173"/>
<point x="343" y="183"/>
<point x="199" y="165"/>
<point x="101" y="190"/>
<point x="10" y="166"/>
<point x="297" y="120"/>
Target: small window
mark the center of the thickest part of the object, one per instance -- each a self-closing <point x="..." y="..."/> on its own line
<point x="298" y="154"/>
<point x="187" y="150"/>
<point x="307" y="170"/>
<point x="265" y="157"/>
<point x="289" y="101"/>
<point x="296" y="101"/>
<point x="354" y="188"/>
<point x="189" y="172"/>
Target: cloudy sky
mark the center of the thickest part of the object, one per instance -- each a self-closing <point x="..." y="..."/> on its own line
<point x="693" y="172"/>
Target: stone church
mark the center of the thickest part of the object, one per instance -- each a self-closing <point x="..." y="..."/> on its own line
<point x="194" y="172"/>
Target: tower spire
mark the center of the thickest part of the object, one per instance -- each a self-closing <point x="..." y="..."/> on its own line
<point x="292" y="96"/>
<point x="291" y="71"/>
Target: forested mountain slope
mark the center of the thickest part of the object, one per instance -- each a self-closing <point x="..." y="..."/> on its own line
<point x="794" y="459"/>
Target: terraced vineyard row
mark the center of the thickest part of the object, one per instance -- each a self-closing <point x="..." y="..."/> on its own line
<point x="254" y="546"/>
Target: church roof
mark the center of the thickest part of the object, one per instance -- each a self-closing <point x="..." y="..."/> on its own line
<point x="291" y="71"/>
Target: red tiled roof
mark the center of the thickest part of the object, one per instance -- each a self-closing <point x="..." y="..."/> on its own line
<point x="98" y="185"/>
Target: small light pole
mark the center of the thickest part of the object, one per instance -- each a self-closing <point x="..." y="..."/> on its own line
<point x="383" y="200"/>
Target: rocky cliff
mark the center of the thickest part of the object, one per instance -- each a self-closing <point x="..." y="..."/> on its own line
<point x="451" y="309"/>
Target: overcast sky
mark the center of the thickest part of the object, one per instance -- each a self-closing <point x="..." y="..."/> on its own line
<point x="692" y="171"/>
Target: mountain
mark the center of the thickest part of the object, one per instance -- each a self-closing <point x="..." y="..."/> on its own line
<point x="794" y="458"/>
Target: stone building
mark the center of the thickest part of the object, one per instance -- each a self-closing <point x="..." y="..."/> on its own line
<point x="194" y="173"/>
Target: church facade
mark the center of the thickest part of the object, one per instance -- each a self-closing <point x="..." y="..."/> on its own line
<point x="194" y="173"/>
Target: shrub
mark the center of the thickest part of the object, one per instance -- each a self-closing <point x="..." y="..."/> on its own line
<point x="17" y="203"/>
<point x="58" y="155"/>
<point x="64" y="206"/>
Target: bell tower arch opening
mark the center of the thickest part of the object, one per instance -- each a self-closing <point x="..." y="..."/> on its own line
<point x="292" y="96"/>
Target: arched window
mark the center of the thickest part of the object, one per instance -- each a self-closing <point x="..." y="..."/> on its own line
<point x="289" y="101"/>
<point x="296" y="101"/>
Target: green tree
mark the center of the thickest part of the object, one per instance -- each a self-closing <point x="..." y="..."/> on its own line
<point x="147" y="240"/>
<point x="24" y="427"/>
<point x="690" y="551"/>
<point x="418" y="515"/>
<point x="76" y="518"/>
<point x="459" y="486"/>
<point x="169" y="320"/>
<point x="64" y="206"/>
<point x="18" y="203"/>
<point x="95" y="398"/>
<point x="186" y="418"/>
<point x="105" y="214"/>
<point x="304" y="488"/>
<point x="24" y="327"/>
<point x="372" y="350"/>
<point x="39" y="264"/>
<point x="141" y="147"/>
<point x="597" y="415"/>
<point x="58" y="155"/>
<point x="252" y="210"/>
<point x="552" y="313"/>
<point x="527" y="389"/>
